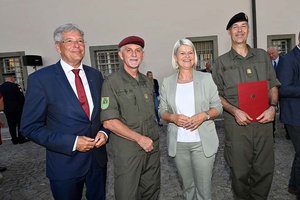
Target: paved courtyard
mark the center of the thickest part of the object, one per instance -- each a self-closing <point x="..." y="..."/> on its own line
<point x="25" y="177"/>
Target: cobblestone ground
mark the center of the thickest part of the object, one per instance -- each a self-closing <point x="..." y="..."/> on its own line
<point x="25" y="178"/>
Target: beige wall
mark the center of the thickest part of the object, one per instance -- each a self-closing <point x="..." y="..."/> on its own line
<point x="28" y="25"/>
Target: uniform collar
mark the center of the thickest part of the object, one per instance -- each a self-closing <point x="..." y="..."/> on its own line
<point x="235" y="55"/>
<point x="127" y="76"/>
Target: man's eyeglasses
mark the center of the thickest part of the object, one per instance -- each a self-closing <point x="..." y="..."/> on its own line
<point x="71" y="42"/>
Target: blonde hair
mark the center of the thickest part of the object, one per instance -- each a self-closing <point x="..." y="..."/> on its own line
<point x="177" y="45"/>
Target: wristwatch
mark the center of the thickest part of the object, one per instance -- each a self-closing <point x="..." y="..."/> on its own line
<point x="207" y="116"/>
<point x="275" y="106"/>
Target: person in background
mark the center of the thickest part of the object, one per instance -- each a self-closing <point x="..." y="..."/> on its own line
<point x="13" y="99"/>
<point x="127" y="110"/>
<point x="155" y="95"/>
<point x="275" y="58"/>
<point x="62" y="113"/>
<point x="2" y="169"/>
<point x="288" y="73"/>
<point x="207" y="67"/>
<point x="189" y="103"/>
<point x="249" y="146"/>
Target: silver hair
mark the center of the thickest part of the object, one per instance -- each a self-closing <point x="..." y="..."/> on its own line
<point x="177" y="45"/>
<point x="65" y="28"/>
<point x="272" y="48"/>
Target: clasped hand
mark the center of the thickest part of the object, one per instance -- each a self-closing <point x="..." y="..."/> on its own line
<point x="85" y="144"/>
<point x="190" y="123"/>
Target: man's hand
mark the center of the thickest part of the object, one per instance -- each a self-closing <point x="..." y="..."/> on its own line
<point x="267" y="116"/>
<point x="85" y="144"/>
<point x="146" y="143"/>
<point x="100" y="139"/>
<point x="241" y="117"/>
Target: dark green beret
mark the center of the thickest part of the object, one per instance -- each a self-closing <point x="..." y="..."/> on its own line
<point x="237" y="18"/>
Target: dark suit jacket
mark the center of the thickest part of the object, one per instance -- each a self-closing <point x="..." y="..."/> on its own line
<point x="156" y="87"/>
<point x="288" y="73"/>
<point x="53" y="117"/>
<point x="13" y="97"/>
<point x="275" y="68"/>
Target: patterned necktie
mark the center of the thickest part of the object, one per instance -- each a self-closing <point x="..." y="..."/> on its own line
<point x="81" y="93"/>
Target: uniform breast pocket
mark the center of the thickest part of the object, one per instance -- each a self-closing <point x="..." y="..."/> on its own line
<point x="126" y="96"/>
<point x="261" y="71"/>
<point x="127" y="103"/>
<point x="231" y="77"/>
<point x="148" y="97"/>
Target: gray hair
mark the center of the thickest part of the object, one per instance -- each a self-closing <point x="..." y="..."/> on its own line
<point x="65" y="28"/>
<point x="272" y="48"/>
<point x="177" y="45"/>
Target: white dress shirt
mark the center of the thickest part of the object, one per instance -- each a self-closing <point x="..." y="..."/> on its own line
<point x="71" y="78"/>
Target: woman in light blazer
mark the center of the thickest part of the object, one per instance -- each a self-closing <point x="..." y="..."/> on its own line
<point x="189" y="103"/>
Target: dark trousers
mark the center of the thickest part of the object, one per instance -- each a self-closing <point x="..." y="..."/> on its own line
<point x="72" y="189"/>
<point x="13" y="121"/>
<point x="250" y="155"/>
<point x="294" y="132"/>
<point x="156" y="103"/>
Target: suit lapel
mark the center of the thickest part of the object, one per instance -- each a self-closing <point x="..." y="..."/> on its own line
<point x="172" y="92"/>
<point x="67" y="89"/>
<point x="197" y="90"/>
<point x="297" y="53"/>
<point x="93" y="90"/>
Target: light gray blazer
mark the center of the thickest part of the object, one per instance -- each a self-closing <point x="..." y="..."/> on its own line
<point x="206" y="97"/>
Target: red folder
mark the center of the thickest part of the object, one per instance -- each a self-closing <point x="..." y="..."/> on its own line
<point x="253" y="98"/>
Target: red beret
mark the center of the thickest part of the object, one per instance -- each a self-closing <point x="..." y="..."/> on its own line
<point x="132" y="40"/>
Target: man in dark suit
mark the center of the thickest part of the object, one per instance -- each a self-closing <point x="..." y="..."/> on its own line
<point x="13" y="99"/>
<point x="155" y="95"/>
<point x="288" y="73"/>
<point x="62" y="113"/>
<point x="274" y="56"/>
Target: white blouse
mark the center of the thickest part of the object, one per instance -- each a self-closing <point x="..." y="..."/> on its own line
<point x="185" y="104"/>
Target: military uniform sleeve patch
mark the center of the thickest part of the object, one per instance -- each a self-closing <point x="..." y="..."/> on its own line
<point x="104" y="103"/>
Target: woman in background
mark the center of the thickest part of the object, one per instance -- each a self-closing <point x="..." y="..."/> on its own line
<point x="189" y="103"/>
